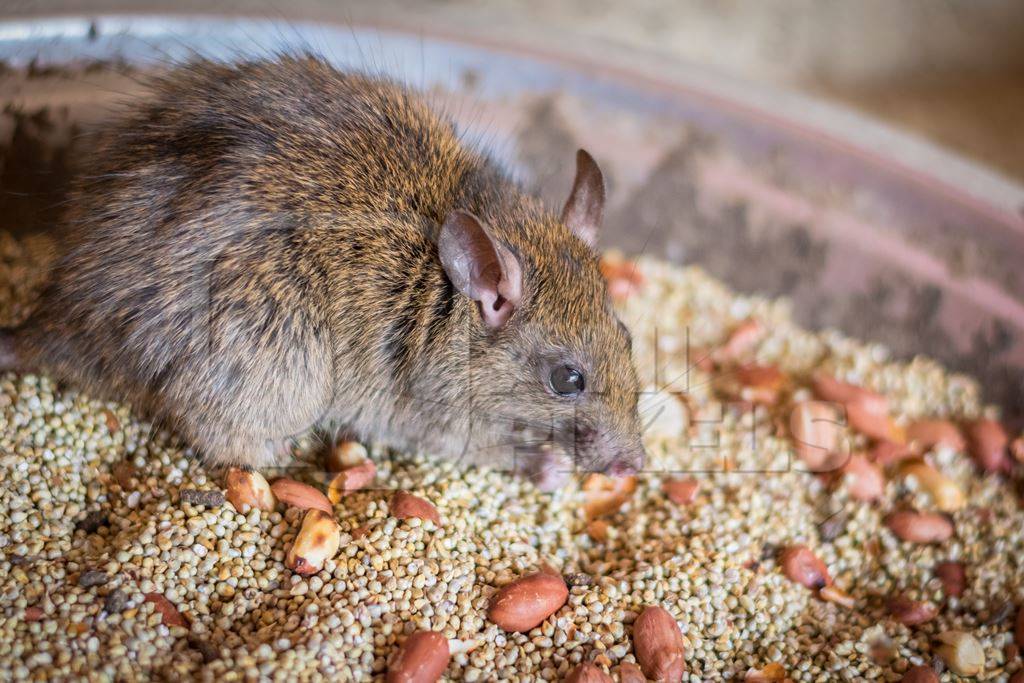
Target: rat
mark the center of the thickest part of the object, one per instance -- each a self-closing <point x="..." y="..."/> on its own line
<point x="269" y="247"/>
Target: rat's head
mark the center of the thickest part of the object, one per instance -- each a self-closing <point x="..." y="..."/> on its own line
<point x="550" y="363"/>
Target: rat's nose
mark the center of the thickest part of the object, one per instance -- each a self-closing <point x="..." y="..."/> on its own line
<point x="621" y="469"/>
<point x="628" y="463"/>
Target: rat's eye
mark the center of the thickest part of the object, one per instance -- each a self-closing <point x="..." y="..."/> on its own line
<point x="567" y="380"/>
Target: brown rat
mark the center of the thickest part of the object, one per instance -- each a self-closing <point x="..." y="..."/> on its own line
<point x="275" y="246"/>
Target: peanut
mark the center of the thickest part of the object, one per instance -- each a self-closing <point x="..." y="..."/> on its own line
<point x="741" y="341"/>
<point x="604" y="495"/>
<point x="928" y="434"/>
<point x="351" y="479"/>
<point x="249" y="488"/>
<point x="920" y="527"/>
<point x="346" y="454"/>
<point x="920" y="674"/>
<point x="404" y="505"/>
<point x="299" y="495"/>
<point x="839" y="597"/>
<point x="658" y="645"/>
<point x="953" y="578"/>
<point x="630" y="673"/>
<point x="1018" y="632"/>
<point x="961" y="652"/>
<point x="877" y="426"/>
<point x="665" y="413"/>
<point x="828" y="388"/>
<point x="170" y="616"/>
<point x="761" y="383"/>
<point x="944" y="491"/>
<point x="621" y="275"/>
<point x="801" y="565"/>
<point x="588" y="673"/>
<point x="816" y="428"/>
<point x="863" y="479"/>
<point x="767" y="674"/>
<point x="597" y="530"/>
<point x="318" y="540"/>
<point x="528" y="601"/>
<point x="681" y="491"/>
<point x="911" y="612"/>
<point x="422" y="658"/>
<point x="885" y="453"/>
<point x="989" y="445"/>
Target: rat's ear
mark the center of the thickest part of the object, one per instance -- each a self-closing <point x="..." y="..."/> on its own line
<point x="480" y="267"/>
<point x="583" y="210"/>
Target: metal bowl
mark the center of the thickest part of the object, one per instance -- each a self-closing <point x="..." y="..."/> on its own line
<point x="867" y="230"/>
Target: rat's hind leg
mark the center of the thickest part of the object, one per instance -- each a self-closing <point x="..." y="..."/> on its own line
<point x="42" y="344"/>
<point x="254" y="426"/>
<point x="246" y="451"/>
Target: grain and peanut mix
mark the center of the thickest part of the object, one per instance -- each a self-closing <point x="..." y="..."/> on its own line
<point x="122" y="558"/>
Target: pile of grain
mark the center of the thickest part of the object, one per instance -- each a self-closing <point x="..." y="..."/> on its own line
<point x="92" y="520"/>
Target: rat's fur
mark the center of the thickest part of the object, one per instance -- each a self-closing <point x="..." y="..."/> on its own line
<point x="255" y="256"/>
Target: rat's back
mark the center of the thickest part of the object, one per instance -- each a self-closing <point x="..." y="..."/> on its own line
<point x="192" y="278"/>
<point x="297" y="134"/>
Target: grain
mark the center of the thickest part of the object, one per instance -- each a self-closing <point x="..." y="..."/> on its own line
<point x="713" y="564"/>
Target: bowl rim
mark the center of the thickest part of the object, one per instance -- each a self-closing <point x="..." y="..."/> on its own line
<point x="822" y="123"/>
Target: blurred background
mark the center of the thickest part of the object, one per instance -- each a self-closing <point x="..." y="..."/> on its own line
<point x="951" y="71"/>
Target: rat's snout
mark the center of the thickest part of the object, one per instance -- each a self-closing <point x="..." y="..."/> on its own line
<point x="613" y="455"/>
<point x="627" y="462"/>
